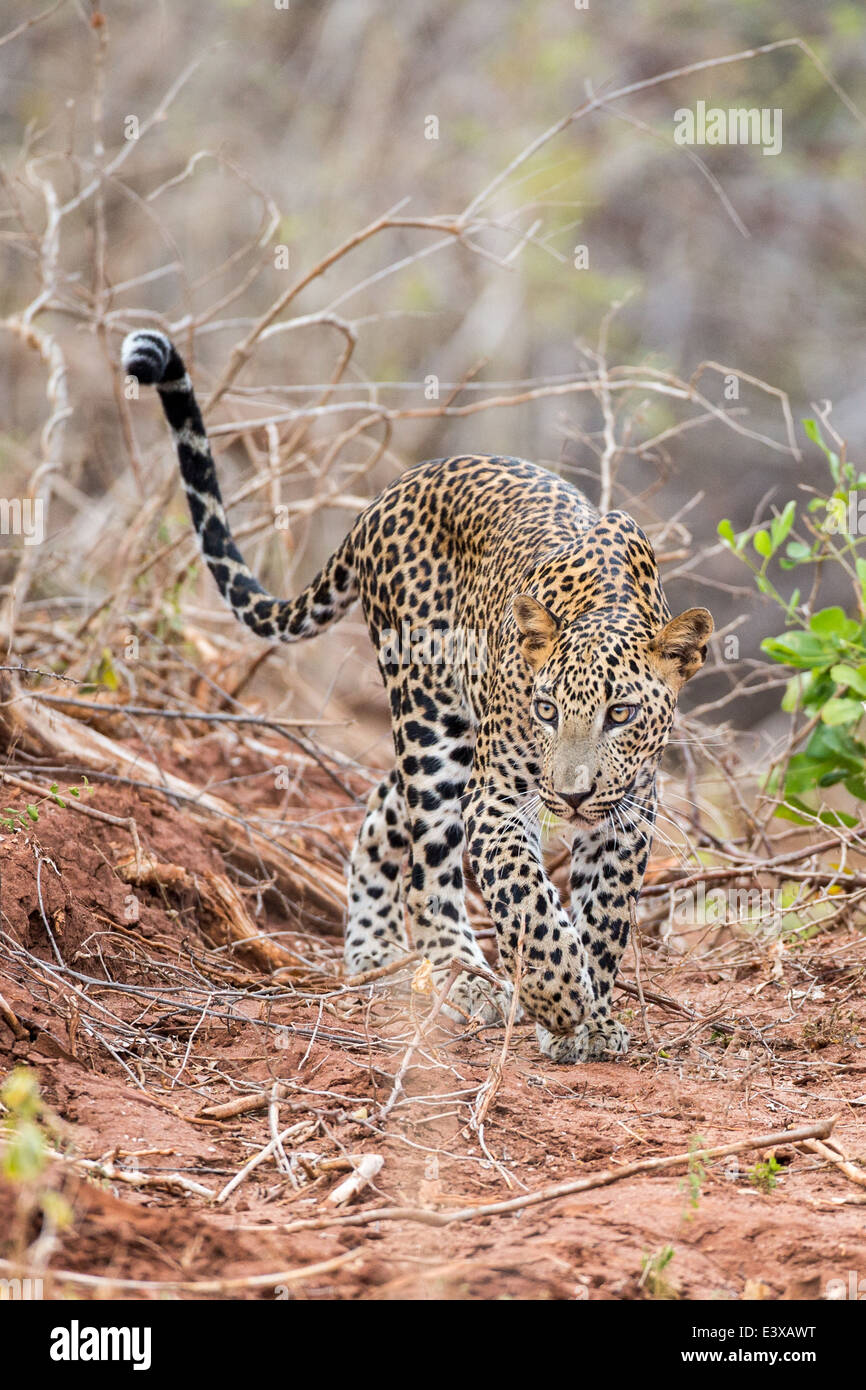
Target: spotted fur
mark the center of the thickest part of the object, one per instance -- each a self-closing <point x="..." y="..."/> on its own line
<point x="562" y="702"/>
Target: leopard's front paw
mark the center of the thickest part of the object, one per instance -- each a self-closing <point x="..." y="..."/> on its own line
<point x="588" y="1042"/>
<point x="608" y="1038"/>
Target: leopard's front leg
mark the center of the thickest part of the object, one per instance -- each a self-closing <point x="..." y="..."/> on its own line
<point x="570" y="965"/>
<point x="556" y="987"/>
<point x="607" y="869"/>
<point x="434" y="740"/>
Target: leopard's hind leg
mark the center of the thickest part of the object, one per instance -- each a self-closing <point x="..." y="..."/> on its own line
<point x="375" y="930"/>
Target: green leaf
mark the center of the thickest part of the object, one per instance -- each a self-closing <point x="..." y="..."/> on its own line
<point x="842" y="712"/>
<point x="793" y="696"/>
<point x="804" y="774"/>
<point x="813" y="432"/>
<point x="856" y="785"/>
<point x="32" y="812"/>
<point x="834" y="622"/>
<point x="820" y="687"/>
<point x="762" y="543"/>
<point x="847" y="675"/>
<point x="798" y="648"/>
<point x="835" y="523"/>
<point x="781" y="525"/>
<point x="726" y="532"/>
<point x="797" y="550"/>
<point x="836" y="744"/>
<point x="24" y="1155"/>
<point x="20" y="1093"/>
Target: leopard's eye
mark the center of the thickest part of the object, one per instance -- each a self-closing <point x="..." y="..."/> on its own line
<point x="621" y="714"/>
<point x="546" y="711"/>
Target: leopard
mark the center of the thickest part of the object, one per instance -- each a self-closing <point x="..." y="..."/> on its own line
<point x="553" y="710"/>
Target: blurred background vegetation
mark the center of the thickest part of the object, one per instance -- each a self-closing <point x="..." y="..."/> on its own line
<point x="320" y="115"/>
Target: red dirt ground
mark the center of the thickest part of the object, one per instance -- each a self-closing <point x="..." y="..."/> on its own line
<point x="795" y="1056"/>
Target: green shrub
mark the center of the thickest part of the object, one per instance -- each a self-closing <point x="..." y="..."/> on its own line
<point x="827" y="647"/>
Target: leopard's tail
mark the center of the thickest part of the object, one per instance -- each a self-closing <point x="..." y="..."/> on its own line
<point x="154" y="360"/>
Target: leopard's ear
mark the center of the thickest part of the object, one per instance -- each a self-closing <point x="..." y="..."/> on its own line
<point x="680" y="648"/>
<point x="538" y="628"/>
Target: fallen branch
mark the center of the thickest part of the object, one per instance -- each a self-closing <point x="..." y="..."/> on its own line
<point x="9" y="1017"/>
<point x="110" y="1171"/>
<point x="260" y="721"/>
<point x="364" y="1169"/>
<point x="243" y="1105"/>
<point x="839" y="1160"/>
<point x="820" y="1130"/>
<point x="221" y="914"/>
<point x="198" y="1286"/>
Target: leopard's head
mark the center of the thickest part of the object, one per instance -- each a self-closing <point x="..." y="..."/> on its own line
<point x="603" y="696"/>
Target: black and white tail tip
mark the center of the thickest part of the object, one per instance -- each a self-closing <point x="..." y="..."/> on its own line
<point x="146" y="355"/>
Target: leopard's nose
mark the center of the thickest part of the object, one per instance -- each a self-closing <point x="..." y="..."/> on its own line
<point x="575" y="799"/>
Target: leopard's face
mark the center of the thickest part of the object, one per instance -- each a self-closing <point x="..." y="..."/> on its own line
<point x="602" y="704"/>
<point x="600" y="716"/>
